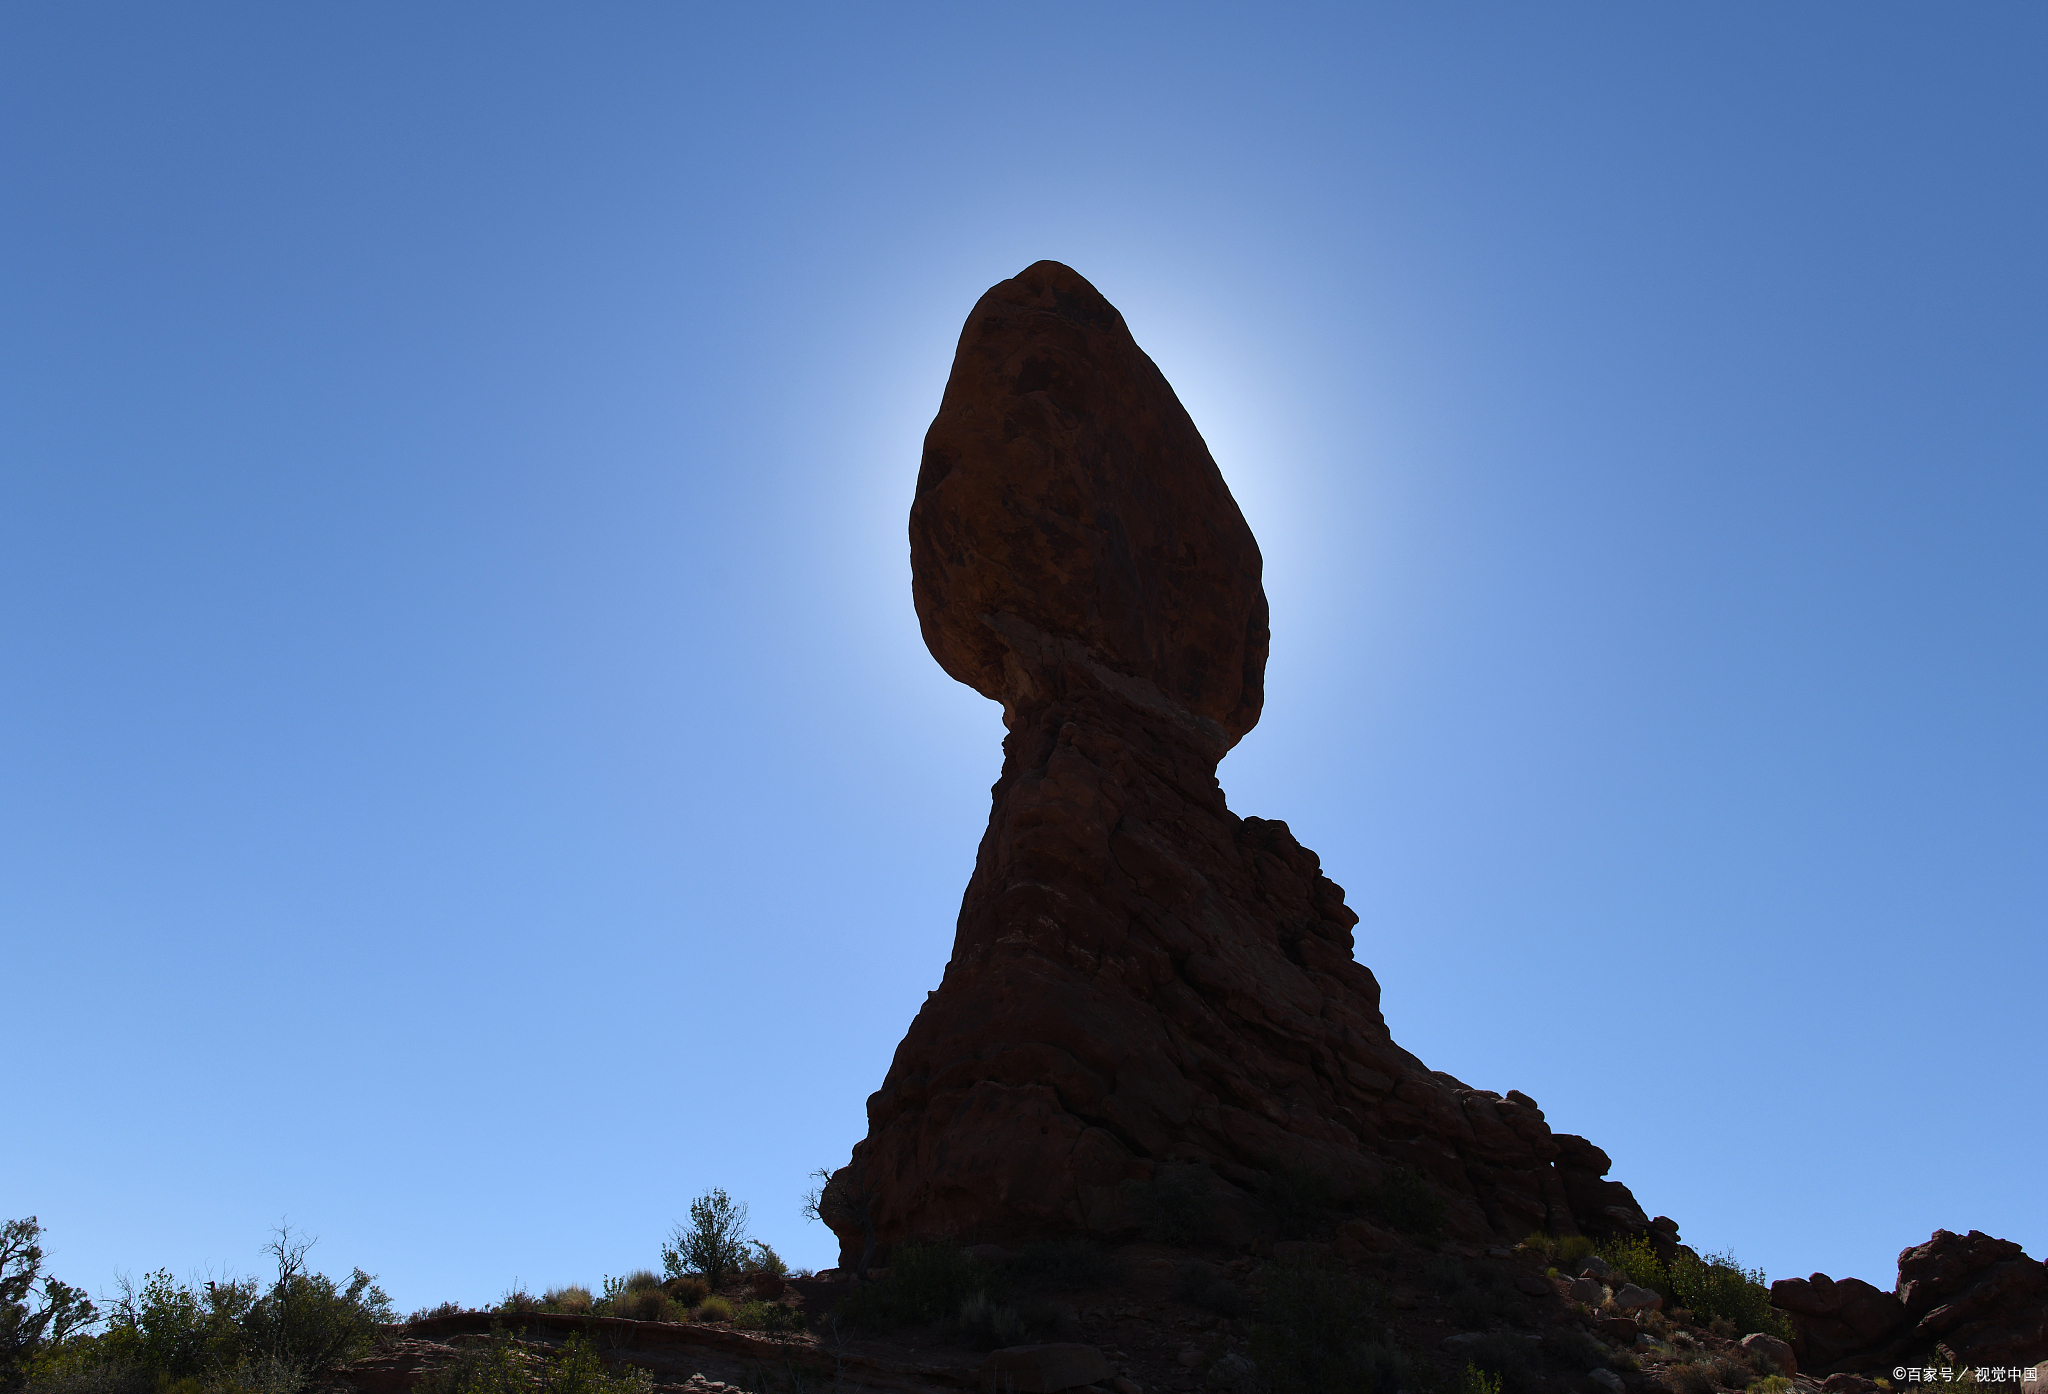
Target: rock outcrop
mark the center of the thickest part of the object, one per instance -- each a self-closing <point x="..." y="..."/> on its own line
<point x="1970" y="1299"/>
<point x="1140" y="977"/>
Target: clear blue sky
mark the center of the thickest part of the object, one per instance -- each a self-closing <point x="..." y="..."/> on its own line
<point x="469" y="776"/>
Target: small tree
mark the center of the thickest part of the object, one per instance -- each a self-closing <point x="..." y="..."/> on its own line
<point x="25" y="1330"/>
<point x="713" y="1244"/>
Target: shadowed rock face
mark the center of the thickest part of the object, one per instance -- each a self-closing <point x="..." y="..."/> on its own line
<point x="1140" y="976"/>
<point x="1068" y="512"/>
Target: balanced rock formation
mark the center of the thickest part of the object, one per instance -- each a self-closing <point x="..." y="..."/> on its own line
<point x="1962" y="1299"/>
<point x="1140" y="977"/>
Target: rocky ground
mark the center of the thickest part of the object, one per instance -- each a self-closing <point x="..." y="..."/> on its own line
<point x="1172" y="1319"/>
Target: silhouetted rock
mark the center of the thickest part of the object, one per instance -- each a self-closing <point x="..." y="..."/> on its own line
<point x="1140" y="977"/>
<point x="1974" y="1299"/>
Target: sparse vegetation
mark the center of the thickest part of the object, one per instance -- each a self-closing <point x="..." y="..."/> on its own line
<point x="713" y="1308"/>
<point x="500" y="1365"/>
<point x="1478" y="1381"/>
<point x="1720" y="1291"/>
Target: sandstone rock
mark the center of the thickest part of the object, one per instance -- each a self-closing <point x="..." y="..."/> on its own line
<point x="1773" y="1350"/>
<point x="1532" y="1285"/>
<point x="1848" y="1384"/>
<point x="1595" y="1267"/>
<point x="1590" y="1291"/>
<point x="1045" y="1369"/>
<point x="1357" y="1240"/>
<point x="1981" y="1298"/>
<point x="1144" y="986"/>
<point x="1632" y="1299"/>
<point x="1607" y="1380"/>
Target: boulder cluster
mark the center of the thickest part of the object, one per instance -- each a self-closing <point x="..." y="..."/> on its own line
<point x="1976" y="1300"/>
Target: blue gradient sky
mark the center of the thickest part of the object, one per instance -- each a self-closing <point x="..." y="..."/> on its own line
<point x="469" y="776"/>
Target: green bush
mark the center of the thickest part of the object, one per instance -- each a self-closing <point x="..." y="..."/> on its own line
<point x="1478" y="1381"/>
<point x="1177" y="1205"/>
<point x="771" y="1317"/>
<point x="30" y="1329"/>
<point x="1572" y="1250"/>
<point x="1509" y="1360"/>
<point x="1718" y="1286"/>
<point x="688" y="1291"/>
<point x="238" y="1335"/>
<point x="1317" y="1332"/>
<point x="1635" y="1258"/>
<point x="1406" y="1202"/>
<point x="645" y="1304"/>
<point x="499" y="1365"/>
<point x="714" y="1308"/>
<point x="714" y="1244"/>
<point x="572" y="1299"/>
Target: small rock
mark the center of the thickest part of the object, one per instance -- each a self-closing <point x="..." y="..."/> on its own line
<point x="1593" y="1266"/>
<point x="1532" y="1285"/>
<point x="1233" y="1372"/>
<point x="1590" y="1291"/>
<point x="1775" y="1350"/>
<point x="1607" y="1380"/>
<point x="1045" y="1369"/>
<point x="1189" y="1357"/>
<point x="1638" y="1299"/>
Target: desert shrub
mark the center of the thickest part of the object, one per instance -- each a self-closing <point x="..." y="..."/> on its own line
<point x="1509" y="1360"/>
<point x="645" y="1304"/>
<point x="1689" y="1378"/>
<point x="932" y="1280"/>
<point x="573" y="1299"/>
<point x="444" y="1309"/>
<point x="1772" y="1384"/>
<point x="985" y="1324"/>
<point x="499" y="1365"/>
<point x="1061" y="1265"/>
<point x="763" y="1262"/>
<point x="518" y="1302"/>
<point x="1317" y="1332"/>
<point x="686" y="1291"/>
<point x="1636" y="1260"/>
<point x="1406" y="1202"/>
<point x="240" y="1335"/>
<point x="1176" y="1206"/>
<point x="1540" y="1244"/>
<point x="640" y="1280"/>
<point x="1573" y="1249"/>
<point x="1718" y="1289"/>
<point x="713" y="1244"/>
<point x="1200" y="1285"/>
<point x="714" y="1308"/>
<point x="1477" y="1381"/>
<point x="772" y="1317"/>
<point x="1299" y="1201"/>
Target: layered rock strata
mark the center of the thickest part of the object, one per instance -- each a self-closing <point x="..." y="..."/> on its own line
<point x="1140" y="977"/>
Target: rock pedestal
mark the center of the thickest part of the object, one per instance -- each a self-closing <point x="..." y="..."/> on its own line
<point x="1140" y="977"/>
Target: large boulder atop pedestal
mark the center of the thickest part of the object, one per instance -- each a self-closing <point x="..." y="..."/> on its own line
<point x="1144" y="986"/>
